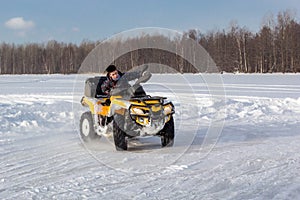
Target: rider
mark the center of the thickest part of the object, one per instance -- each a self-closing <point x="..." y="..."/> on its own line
<point x="113" y="75"/>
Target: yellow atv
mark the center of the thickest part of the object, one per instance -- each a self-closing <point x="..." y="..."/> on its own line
<point x="131" y="112"/>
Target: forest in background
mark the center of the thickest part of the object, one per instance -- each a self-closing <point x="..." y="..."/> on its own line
<point x="274" y="48"/>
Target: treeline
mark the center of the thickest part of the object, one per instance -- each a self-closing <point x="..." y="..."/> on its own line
<point x="49" y="58"/>
<point x="275" y="48"/>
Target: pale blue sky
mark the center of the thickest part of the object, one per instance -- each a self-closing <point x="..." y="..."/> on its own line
<point x="23" y="21"/>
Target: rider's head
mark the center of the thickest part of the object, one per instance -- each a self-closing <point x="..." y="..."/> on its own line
<point x="112" y="72"/>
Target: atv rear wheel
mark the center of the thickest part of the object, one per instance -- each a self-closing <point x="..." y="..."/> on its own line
<point x="87" y="131"/>
<point x="167" y="134"/>
<point x="119" y="134"/>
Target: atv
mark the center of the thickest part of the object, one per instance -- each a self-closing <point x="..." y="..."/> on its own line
<point x="129" y="111"/>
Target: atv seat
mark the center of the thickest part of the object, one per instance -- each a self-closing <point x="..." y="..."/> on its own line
<point x="93" y="87"/>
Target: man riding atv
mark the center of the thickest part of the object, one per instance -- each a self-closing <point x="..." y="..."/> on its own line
<point x="114" y="75"/>
<point x="133" y="113"/>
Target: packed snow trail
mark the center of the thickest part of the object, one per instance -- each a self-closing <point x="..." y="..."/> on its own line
<point x="256" y="156"/>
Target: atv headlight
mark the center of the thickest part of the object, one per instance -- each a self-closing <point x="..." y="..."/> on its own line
<point x="138" y="111"/>
<point x="168" y="109"/>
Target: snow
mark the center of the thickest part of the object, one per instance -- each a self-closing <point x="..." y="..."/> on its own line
<point x="255" y="156"/>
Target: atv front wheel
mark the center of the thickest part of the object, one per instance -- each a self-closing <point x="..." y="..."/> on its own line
<point x="87" y="131"/>
<point x="119" y="134"/>
<point x="167" y="134"/>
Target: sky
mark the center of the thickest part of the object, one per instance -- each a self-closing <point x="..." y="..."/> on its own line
<point x="26" y="21"/>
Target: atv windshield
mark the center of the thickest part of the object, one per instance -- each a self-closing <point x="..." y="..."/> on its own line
<point x="126" y="90"/>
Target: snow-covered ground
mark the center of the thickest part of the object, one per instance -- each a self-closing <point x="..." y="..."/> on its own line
<point x="255" y="156"/>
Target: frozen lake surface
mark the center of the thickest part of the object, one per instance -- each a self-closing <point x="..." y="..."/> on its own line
<point x="234" y="140"/>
